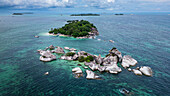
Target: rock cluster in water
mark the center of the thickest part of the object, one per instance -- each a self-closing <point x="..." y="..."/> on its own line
<point x="107" y="64"/>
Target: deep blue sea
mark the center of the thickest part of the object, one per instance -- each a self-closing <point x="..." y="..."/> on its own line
<point x="146" y="37"/>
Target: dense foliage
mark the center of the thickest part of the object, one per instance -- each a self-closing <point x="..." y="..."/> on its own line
<point x="89" y="58"/>
<point x="70" y="54"/>
<point x="75" y="28"/>
<point x="81" y="59"/>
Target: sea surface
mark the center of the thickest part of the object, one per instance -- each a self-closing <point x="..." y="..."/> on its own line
<point x="146" y="37"/>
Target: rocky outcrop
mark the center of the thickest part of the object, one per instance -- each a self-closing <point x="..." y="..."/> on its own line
<point x="82" y="53"/>
<point x="51" y="47"/>
<point x="67" y="48"/>
<point x="47" y="56"/>
<point x="101" y="68"/>
<point x="93" y="66"/>
<point x="113" y="69"/>
<point x="59" y="50"/>
<point x="75" y="57"/>
<point x="128" y="61"/>
<point x="66" y="57"/>
<point x="99" y="59"/>
<point x="146" y="70"/>
<point x="109" y="60"/>
<point x="137" y="72"/>
<point x="91" y="75"/>
<point x="72" y="49"/>
<point x="111" y="41"/>
<point x="77" y="70"/>
<point x="117" y="53"/>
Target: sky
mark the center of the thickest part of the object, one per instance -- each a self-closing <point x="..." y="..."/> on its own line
<point x="89" y="5"/>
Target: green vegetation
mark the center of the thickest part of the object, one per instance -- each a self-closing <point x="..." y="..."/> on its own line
<point x="70" y="54"/>
<point x="81" y="59"/>
<point x="75" y="28"/>
<point x="119" y="14"/>
<point x="85" y="53"/>
<point x="89" y="14"/>
<point x="89" y="58"/>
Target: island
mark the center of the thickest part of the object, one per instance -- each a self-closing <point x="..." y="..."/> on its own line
<point x="119" y="14"/>
<point x="89" y="14"/>
<point x="76" y="28"/>
<point x="17" y="14"/>
<point x="22" y="13"/>
<point x="111" y="63"/>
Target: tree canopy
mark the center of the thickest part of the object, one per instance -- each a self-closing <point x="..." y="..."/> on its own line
<point x="75" y="28"/>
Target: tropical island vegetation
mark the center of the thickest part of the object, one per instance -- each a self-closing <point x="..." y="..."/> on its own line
<point x="89" y="14"/>
<point x="77" y="29"/>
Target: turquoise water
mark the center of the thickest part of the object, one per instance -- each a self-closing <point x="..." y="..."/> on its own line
<point x="144" y="37"/>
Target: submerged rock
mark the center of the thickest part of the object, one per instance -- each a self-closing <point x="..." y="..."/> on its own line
<point x="91" y="75"/>
<point x="36" y="36"/>
<point x="128" y="61"/>
<point x="111" y="41"/>
<point x="146" y="70"/>
<point x="137" y="72"/>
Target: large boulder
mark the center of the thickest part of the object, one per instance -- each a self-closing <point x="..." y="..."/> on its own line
<point x="146" y="70"/>
<point x="72" y="49"/>
<point x="101" y="68"/>
<point x="113" y="68"/>
<point x="109" y="60"/>
<point x="116" y="52"/>
<point x="77" y="70"/>
<point x="91" y="75"/>
<point x="99" y="59"/>
<point x="93" y="66"/>
<point x="66" y="57"/>
<point x="51" y="47"/>
<point x="67" y="48"/>
<point x="59" y="50"/>
<point x="82" y="53"/>
<point x="137" y="72"/>
<point x="47" y="56"/>
<point x="75" y="57"/>
<point x="128" y="61"/>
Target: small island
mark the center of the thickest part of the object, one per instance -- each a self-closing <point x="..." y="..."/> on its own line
<point x="17" y="14"/>
<point x="89" y="14"/>
<point x="76" y="28"/>
<point x="119" y="14"/>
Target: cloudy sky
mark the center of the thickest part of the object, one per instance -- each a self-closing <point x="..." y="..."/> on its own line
<point x="109" y="5"/>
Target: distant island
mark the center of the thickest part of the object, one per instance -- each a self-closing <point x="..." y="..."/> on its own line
<point x="89" y="14"/>
<point x="76" y="28"/>
<point x="22" y="13"/>
<point x="119" y="14"/>
<point x="17" y="14"/>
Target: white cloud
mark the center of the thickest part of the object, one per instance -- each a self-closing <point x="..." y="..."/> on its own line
<point x="37" y="3"/>
<point x="156" y="0"/>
